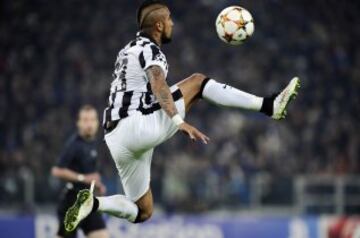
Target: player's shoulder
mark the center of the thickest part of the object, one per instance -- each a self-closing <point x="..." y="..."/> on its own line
<point x="145" y="48"/>
<point x="146" y="42"/>
<point x="153" y="51"/>
<point x="138" y="45"/>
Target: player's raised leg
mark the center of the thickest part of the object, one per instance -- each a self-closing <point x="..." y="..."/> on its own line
<point x="199" y="86"/>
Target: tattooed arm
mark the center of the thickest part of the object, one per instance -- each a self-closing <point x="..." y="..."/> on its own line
<point x="162" y="93"/>
<point x="161" y="90"/>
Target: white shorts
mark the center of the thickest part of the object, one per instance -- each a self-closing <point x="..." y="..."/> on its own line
<point x="131" y="144"/>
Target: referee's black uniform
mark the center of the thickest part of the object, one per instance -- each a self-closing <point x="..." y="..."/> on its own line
<point x="79" y="155"/>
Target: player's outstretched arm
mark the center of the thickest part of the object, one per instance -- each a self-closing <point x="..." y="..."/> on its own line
<point x="162" y="93"/>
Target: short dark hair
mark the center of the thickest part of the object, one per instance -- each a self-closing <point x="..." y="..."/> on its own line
<point x="86" y="107"/>
<point x="146" y="4"/>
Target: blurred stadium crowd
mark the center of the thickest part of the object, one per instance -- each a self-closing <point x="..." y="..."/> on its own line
<point x="56" y="56"/>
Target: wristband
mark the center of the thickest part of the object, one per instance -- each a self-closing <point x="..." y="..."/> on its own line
<point x="80" y="177"/>
<point x="177" y="119"/>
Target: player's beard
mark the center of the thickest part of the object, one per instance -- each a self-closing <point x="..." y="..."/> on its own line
<point x="165" y="39"/>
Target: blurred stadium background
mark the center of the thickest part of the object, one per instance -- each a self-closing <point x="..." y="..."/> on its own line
<point x="258" y="178"/>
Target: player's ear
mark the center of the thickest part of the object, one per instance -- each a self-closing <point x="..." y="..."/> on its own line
<point x="160" y="26"/>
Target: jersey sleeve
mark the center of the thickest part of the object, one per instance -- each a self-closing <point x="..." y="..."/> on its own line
<point x="152" y="55"/>
<point x="67" y="155"/>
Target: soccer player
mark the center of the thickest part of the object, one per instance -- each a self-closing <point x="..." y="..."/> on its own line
<point x="77" y="166"/>
<point x="144" y="112"/>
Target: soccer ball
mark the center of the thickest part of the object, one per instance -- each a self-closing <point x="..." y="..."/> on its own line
<point x="234" y="25"/>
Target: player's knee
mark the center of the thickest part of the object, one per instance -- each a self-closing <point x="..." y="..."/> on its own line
<point x="198" y="79"/>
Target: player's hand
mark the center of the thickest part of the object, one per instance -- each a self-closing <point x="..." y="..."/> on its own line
<point x="101" y="188"/>
<point x="193" y="133"/>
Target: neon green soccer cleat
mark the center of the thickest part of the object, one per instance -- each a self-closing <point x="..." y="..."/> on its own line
<point x="81" y="208"/>
<point x="282" y="100"/>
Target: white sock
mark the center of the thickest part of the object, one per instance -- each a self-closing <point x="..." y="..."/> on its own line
<point x="228" y="96"/>
<point x="119" y="206"/>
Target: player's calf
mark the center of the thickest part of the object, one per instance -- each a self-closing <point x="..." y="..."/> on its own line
<point x="145" y="207"/>
<point x="143" y="215"/>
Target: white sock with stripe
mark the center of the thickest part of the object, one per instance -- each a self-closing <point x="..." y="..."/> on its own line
<point x="119" y="206"/>
<point x="225" y="95"/>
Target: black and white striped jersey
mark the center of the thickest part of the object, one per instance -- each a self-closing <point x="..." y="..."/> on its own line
<point x="130" y="91"/>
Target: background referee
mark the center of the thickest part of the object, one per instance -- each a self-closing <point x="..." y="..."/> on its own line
<point x="77" y="166"/>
